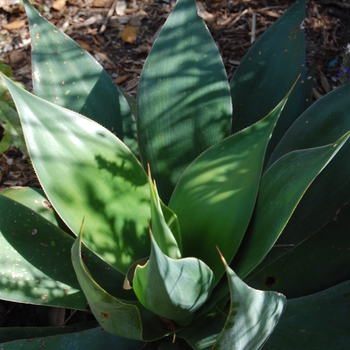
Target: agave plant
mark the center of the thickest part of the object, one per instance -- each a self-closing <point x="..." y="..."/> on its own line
<point x="171" y="218"/>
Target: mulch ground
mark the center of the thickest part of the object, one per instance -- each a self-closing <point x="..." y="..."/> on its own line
<point x="101" y="27"/>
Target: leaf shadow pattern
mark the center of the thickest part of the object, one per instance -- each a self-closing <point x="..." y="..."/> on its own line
<point x="184" y="103"/>
<point x="36" y="262"/>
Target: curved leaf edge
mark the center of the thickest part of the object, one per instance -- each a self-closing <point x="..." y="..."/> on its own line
<point x="79" y="266"/>
<point x="183" y="317"/>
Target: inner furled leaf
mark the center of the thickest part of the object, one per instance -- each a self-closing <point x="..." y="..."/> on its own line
<point x="161" y="231"/>
<point x="173" y="289"/>
<point x="119" y="317"/>
<point x="184" y="103"/>
<point x="67" y="75"/>
<point x="215" y="197"/>
<point x="281" y="189"/>
<point x="86" y="171"/>
<point x="253" y="315"/>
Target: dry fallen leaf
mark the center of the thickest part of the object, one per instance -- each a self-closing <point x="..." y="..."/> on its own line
<point x="58" y="5"/>
<point x="129" y="34"/>
<point x="143" y="48"/>
<point x="316" y="94"/>
<point x="83" y="44"/>
<point x="209" y="17"/>
<point x="104" y="58"/>
<point x="324" y="82"/>
<point x="15" y="25"/>
<point x="91" y="20"/>
<point x="121" y="79"/>
<point x="102" y="3"/>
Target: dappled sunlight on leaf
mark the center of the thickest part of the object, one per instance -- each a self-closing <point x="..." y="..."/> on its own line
<point x="184" y="100"/>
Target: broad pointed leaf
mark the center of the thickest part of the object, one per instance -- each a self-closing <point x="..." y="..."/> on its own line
<point x="161" y="231"/>
<point x="90" y="339"/>
<point x="267" y="72"/>
<point x="184" y="103"/>
<point x="65" y="74"/>
<point x="325" y="121"/>
<point x="173" y="223"/>
<point x="252" y="318"/>
<point x="281" y="189"/>
<point x="36" y="262"/>
<point x="173" y="289"/>
<point x="310" y="265"/>
<point x="87" y="171"/>
<point x="318" y="321"/>
<point x="114" y="315"/>
<point x="322" y="123"/>
<point x="215" y="197"/>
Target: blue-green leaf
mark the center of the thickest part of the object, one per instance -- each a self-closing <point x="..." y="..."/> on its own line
<point x="160" y="229"/>
<point x="173" y="289"/>
<point x="65" y="74"/>
<point x="117" y="316"/>
<point x="253" y="315"/>
<point x="266" y="73"/>
<point x="184" y="103"/>
<point x="35" y="262"/>
<point x="281" y="189"/>
<point x="85" y="170"/>
<point x="215" y="197"/>
<point x="306" y="265"/>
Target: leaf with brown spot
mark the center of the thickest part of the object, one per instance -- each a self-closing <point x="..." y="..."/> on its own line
<point x="121" y="79"/>
<point x="58" y="5"/>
